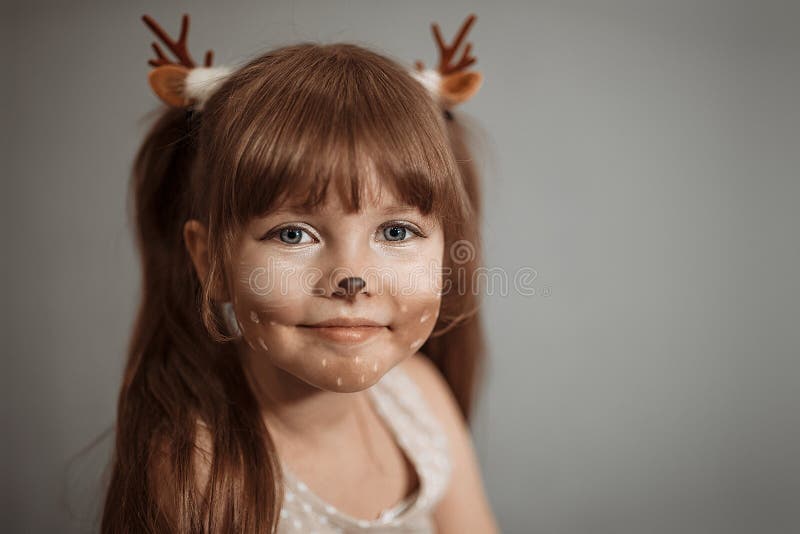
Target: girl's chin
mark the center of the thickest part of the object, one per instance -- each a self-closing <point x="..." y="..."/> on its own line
<point x="352" y="385"/>
<point x="348" y="373"/>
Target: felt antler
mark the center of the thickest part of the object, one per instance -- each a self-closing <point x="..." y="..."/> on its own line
<point x="181" y="83"/>
<point x="178" y="48"/>
<point x="452" y="83"/>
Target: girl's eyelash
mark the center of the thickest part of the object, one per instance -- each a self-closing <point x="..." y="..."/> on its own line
<point x="277" y="231"/>
<point x="407" y="226"/>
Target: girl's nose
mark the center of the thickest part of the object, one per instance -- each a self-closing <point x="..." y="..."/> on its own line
<point x="350" y="286"/>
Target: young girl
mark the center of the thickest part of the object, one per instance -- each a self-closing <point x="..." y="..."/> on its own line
<point x="307" y="347"/>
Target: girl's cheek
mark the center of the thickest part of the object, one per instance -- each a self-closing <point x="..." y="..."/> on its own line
<point x="417" y="320"/>
<point x="419" y="306"/>
<point x="275" y="290"/>
<point x="270" y="295"/>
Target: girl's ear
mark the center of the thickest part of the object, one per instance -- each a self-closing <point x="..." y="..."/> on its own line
<point x="195" y="237"/>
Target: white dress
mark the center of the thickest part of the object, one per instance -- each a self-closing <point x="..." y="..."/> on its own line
<point x="399" y="402"/>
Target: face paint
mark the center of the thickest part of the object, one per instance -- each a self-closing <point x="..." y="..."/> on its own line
<point x="289" y="265"/>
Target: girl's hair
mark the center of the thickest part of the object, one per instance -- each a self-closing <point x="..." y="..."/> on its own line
<point x="281" y="128"/>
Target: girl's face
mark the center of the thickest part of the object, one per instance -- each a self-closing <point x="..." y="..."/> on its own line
<point x="287" y="279"/>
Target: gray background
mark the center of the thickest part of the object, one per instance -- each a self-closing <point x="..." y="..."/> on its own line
<point x="641" y="156"/>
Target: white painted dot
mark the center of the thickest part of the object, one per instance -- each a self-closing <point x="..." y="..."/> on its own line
<point x="363" y="523"/>
<point x="330" y="509"/>
<point x="273" y="323"/>
<point x="297" y="524"/>
<point x="289" y="496"/>
<point x="284" y="513"/>
<point x="425" y="316"/>
<point x="324" y="362"/>
<point x="302" y="486"/>
<point x="323" y="520"/>
<point x="263" y="345"/>
<point x="362" y="379"/>
<point x="306" y="507"/>
<point x="254" y="316"/>
<point x="375" y="366"/>
<point x="338" y="380"/>
<point x="357" y="359"/>
<point x="417" y="343"/>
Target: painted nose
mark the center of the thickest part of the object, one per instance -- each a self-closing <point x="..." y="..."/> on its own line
<point x="350" y="286"/>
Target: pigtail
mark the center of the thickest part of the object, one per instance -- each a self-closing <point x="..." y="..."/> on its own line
<point x="177" y="379"/>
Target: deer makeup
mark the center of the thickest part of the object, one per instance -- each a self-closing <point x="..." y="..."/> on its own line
<point x="338" y="299"/>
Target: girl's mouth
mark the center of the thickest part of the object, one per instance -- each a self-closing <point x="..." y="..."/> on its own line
<point x="345" y="334"/>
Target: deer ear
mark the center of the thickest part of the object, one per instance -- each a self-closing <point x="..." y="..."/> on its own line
<point x="460" y="86"/>
<point x="169" y="82"/>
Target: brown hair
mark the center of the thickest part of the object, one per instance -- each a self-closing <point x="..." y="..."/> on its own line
<point x="285" y="125"/>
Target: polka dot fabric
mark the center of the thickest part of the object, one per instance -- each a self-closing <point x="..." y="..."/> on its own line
<point x="400" y="403"/>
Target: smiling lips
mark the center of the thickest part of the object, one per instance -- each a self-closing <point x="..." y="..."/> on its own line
<point x="346" y="329"/>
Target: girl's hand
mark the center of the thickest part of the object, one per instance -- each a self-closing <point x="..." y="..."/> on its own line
<point x="464" y="508"/>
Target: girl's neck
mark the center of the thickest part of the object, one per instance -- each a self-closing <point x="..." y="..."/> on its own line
<point x="299" y="411"/>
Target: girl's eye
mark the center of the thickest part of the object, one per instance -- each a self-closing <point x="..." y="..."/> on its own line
<point x="290" y="235"/>
<point x="293" y="236"/>
<point x="398" y="232"/>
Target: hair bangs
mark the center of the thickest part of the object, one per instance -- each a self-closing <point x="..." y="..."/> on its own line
<point x="337" y="117"/>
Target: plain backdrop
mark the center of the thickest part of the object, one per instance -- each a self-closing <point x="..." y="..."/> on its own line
<point x="641" y="157"/>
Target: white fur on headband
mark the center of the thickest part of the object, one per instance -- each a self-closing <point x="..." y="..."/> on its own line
<point x="201" y="82"/>
<point x="430" y="79"/>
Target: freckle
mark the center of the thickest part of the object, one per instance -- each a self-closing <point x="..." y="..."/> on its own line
<point x="375" y="366"/>
<point x="338" y="380"/>
<point x="324" y="362"/>
<point x="254" y="317"/>
<point x="425" y="317"/>
<point x="263" y="345"/>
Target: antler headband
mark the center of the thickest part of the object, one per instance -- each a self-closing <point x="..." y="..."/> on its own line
<point x="184" y="84"/>
<point x="451" y="83"/>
